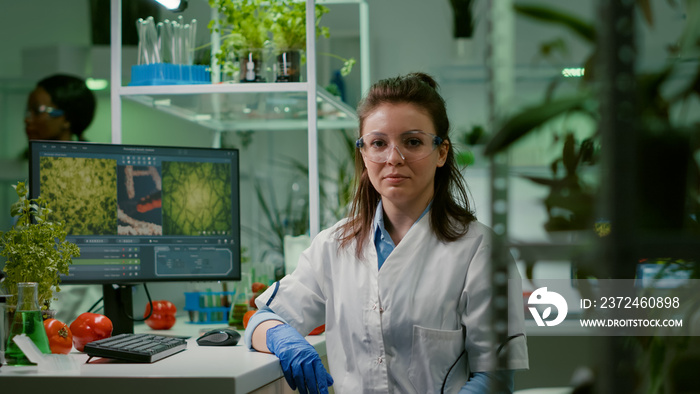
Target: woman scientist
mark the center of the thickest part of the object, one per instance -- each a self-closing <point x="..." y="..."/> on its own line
<point x="402" y="284"/>
<point x="60" y="107"/>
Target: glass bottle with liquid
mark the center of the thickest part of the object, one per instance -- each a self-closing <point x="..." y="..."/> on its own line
<point x="27" y="320"/>
<point x="241" y="301"/>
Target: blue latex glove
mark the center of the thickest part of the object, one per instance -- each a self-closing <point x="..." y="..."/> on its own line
<point x="300" y="362"/>
<point x="483" y="382"/>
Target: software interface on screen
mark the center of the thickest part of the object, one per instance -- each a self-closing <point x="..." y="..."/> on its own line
<point x="142" y="213"/>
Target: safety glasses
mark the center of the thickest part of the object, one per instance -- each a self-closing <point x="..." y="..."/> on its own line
<point x="43" y="109"/>
<point x="411" y="146"/>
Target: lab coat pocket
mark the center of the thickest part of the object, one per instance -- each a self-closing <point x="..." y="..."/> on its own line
<point x="433" y="353"/>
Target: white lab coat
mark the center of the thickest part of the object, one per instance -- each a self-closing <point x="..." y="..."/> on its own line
<point x="402" y="328"/>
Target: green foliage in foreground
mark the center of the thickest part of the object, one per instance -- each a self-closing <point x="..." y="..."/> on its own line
<point x="36" y="248"/>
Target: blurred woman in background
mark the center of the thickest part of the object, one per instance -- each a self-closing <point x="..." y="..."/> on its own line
<point x="60" y="107"/>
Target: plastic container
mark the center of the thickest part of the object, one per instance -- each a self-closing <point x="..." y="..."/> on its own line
<point x="206" y="307"/>
<point x="169" y="74"/>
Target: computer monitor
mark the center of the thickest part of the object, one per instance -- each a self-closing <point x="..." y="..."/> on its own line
<point x="141" y="214"/>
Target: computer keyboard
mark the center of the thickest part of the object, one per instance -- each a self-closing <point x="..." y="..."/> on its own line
<point x="142" y="348"/>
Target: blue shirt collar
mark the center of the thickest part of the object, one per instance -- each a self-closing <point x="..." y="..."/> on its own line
<point x="378" y="223"/>
<point x="382" y="240"/>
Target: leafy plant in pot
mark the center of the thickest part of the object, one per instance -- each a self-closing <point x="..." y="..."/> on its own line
<point x="35" y="248"/>
<point x="570" y="202"/>
<point x="245" y="26"/>
<point x="252" y="27"/>
<point x="470" y="143"/>
<point x="289" y="36"/>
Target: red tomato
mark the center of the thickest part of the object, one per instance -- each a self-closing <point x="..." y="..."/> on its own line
<point x="258" y="287"/>
<point x="318" y="330"/>
<point x="251" y="302"/>
<point x="90" y="327"/>
<point x="60" y="337"/>
<point x="163" y="317"/>
<point x="247" y="317"/>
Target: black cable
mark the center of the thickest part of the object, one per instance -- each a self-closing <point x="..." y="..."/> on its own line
<point x="444" y="381"/>
<point x="442" y="390"/>
<point x="498" y="352"/>
<point x="95" y="304"/>
<point x="150" y="302"/>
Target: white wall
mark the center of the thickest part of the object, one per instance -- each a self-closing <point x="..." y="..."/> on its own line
<point x="26" y="24"/>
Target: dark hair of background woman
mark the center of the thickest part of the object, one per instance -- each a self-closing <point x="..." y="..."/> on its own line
<point x="450" y="211"/>
<point x="71" y="95"/>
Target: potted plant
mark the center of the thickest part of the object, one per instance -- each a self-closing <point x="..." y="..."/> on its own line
<point x="245" y="26"/>
<point x="469" y="144"/>
<point x="570" y="202"/>
<point x="252" y="27"/>
<point x="289" y="36"/>
<point x="35" y="248"/>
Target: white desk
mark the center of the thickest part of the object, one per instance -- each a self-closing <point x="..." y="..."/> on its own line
<point x="199" y="369"/>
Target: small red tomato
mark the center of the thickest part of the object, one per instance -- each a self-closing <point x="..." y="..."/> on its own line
<point x="163" y="316"/>
<point x="318" y="330"/>
<point x="251" y="302"/>
<point x="247" y="317"/>
<point x="60" y="337"/>
<point x="258" y="287"/>
<point x="90" y="327"/>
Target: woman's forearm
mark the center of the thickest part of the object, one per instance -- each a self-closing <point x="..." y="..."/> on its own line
<point x="259" y="338"/>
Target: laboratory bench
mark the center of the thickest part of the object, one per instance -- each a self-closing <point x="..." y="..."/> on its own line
<point x="208" y="369"/>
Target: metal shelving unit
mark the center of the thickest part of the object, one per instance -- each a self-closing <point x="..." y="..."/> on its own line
<point x="202" y="104"/>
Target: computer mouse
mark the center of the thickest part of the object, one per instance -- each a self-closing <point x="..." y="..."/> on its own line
<point x="219" y="337"/>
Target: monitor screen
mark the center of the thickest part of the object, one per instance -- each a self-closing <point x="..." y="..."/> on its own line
<point x="142" y="213"/>
<point x="662" y="275"/>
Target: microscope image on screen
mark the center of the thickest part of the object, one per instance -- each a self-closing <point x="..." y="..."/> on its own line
<point x="196" y="198"/>
<point x="139" y="199"/>
<point x="142" y="213"/>
<point x="81" y="192"/>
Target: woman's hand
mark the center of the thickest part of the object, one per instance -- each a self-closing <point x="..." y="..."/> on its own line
<point x="300" y="362"/>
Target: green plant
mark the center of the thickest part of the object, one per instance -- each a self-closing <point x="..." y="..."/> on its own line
<point x="570" y="202"/>
<point x="243" y="25"/>
<point x="289" y="28"/>
<point x="339" y="172"/>
<point x="348" y="63"/>
<point x="289" y="24"/>
<point x="254" y="24"/>
<point x="657" y="132"/>
<point x="35" y="247"/>
<point x="469" y="139"/>
<point x="290" y="219"/>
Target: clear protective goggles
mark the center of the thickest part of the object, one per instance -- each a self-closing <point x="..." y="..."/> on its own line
<point x="413" y="146"/>
<point x="42" y="109"/>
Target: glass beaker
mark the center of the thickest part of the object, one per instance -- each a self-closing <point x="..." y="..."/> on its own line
<point x="241" y="301"/>
<point x="4" y="326"/>
<point x="27" y="320"/>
